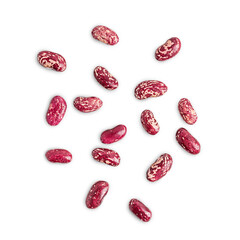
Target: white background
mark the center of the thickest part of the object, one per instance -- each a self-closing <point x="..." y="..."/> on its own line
<point x="198" y="198"/>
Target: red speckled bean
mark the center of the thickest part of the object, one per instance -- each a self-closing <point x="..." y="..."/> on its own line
<point x="52" y="60"/>
<point x="150" y="88"/>
<point x="59" y="155"/>
<point x="105" y="78"/>
<point x="187" y="141"/>
<point x="114" y="134"/>
<point x="140" y="210"/>
<point x="87" y="104"/>
<point x="105" y="35"/>
<point x="107" y="156"/>
<point x="160" y="167"/>
<point x="96" y="194"/>
<point x="187" y="111"/>
<point x="168" y="50"/>
<point x="149" y="122"/>
<point x="56" y="111"/>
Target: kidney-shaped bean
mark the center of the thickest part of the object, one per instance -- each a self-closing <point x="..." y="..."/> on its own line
<point x="56" y="111"/>
<point x="87" y="104"/>
<point x="105" y="35"/>
<point x="159" y="168"/>
<point x="107" y="156"/>
<point x="150" y="88"/>
<point x="140" y="210"/>
<point x="114" y="134"/>
<point x="106" y="79"/>
<point x="187" y="141"/>
<point x="187" y="111"/>
<point x="96" y="194"/>
<point x="59" y="155"/>
<point x="52" y="60"/>
<point x="168" y="50"/>
<point x="149" y="122"/>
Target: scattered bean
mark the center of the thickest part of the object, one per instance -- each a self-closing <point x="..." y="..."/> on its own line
<point x="107" y="156"/>
<point x="140" y="210"/>
<point x="187" y="141"/>
<point x="150" y="88"/>
<point x="114" y="134"/>
<point x="87" y="104"/>
<point x="149" y="122"/>
<point x="187" y="111"/>
<point x="160" y="167"/>
<point x="105" y="78"/>
<point x="96" y="194"/>
<point x="105" y="35"/>
<point x="168" y="50"/>
<point x="59" y="155"/>
<point x="52" y="60"/>
<point x="56" y="111"/>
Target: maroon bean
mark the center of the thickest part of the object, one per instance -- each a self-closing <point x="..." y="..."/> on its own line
<point x="187" y="111"/>
<point x="105" y="35"/>
<point x="87" y="104"/>
<point x="149" y="122"/>
<point x="168" y="50"/>
<point x="96" y="194"/>
<point x="56" y="111"/>
<point x="59" y="155"/>
<point x="52" y="60"/>
<point x="107" y="156"/>
<point x="140" y="210"/>
<point x="105" y="78"/>
<point x="150" y="88"/>
<point x="114" y="134"/>
<point x="187" y="141"/>
<point x="160" y="167"/>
